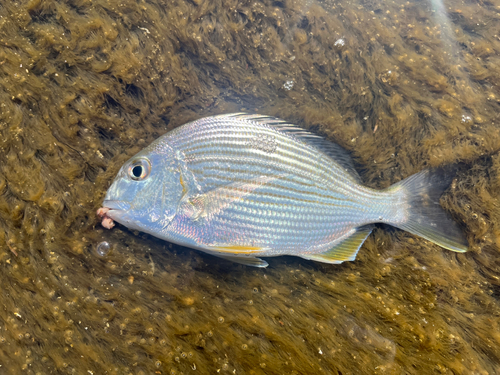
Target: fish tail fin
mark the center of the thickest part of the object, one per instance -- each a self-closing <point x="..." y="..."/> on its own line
<point x="423" y="214"/>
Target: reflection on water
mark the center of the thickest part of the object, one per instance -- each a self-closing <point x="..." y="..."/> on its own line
<point x="402" y="85"/>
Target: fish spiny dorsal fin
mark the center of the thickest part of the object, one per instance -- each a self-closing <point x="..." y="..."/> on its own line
<point x="333" y="150"/>
<point x="344" y="251"/>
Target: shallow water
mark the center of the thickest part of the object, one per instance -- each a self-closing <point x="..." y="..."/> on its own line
<point x="85" y="84"/>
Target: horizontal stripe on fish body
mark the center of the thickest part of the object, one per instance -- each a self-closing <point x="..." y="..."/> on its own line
<point x="287" y="153"/>
<point x="237" y="168"/>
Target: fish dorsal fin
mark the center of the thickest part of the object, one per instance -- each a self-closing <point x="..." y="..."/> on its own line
<point x="344" y="251"/>
<point x="333" y="150"/>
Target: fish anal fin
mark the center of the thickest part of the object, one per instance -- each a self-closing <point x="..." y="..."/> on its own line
<point x="345" y="250"/>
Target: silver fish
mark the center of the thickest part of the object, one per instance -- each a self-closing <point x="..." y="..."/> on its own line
<point x="244" y="186"/>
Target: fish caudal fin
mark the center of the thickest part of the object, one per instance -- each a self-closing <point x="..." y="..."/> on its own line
<point x="345" y="250"/>
<point x="425" y="217"/>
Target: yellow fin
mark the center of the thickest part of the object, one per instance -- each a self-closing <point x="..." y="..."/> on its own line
<point x="344" y="251"/>
<point x="236" y="249"/>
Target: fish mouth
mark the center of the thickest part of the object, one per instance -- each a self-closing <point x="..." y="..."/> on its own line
<point x="112" y="205"/>
<point x="114" y="209"/>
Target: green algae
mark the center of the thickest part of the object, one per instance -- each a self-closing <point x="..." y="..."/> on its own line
<point x="402" y="86"/>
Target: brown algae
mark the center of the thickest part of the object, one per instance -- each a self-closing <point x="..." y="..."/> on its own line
<point x="403" y="86"/>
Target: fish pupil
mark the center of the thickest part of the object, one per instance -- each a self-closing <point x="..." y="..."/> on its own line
<point x="137" y="171"/>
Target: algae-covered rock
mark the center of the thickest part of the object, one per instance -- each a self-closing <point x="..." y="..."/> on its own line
<point x="403" y="86"/>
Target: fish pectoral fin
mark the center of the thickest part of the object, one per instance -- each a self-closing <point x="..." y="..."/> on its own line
<point x="345" y="250"/>
<point x="206" y="205"/>
<point x="238" y="254"/>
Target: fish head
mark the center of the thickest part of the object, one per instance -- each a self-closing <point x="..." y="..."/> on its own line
<point x="147" y="190"/>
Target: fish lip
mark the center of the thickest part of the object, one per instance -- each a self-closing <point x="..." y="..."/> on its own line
<point x="113" y="205"/>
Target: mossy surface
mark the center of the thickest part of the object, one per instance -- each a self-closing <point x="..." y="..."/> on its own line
<point x="85" y="84"/>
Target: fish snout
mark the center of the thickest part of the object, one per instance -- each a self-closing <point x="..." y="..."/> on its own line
<point x="112" y="210"/>
<point x="112" y="205"/>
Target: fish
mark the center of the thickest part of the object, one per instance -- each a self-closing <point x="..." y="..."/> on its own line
<point x="243" y="187"/>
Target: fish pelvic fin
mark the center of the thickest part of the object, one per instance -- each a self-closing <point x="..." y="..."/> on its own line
<point x="236" y="249"/>
<point x="238" y="254"/>
<point x="345" y="250"/>
<point x="423" y="215"/>
<point x="247" y="261"/>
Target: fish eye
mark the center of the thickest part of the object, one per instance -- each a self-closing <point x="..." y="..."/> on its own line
<point x="139" y="169"/>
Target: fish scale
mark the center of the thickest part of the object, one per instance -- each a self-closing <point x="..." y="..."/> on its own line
<point x="247" y="186"/>
<point x="287" y="192"/>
